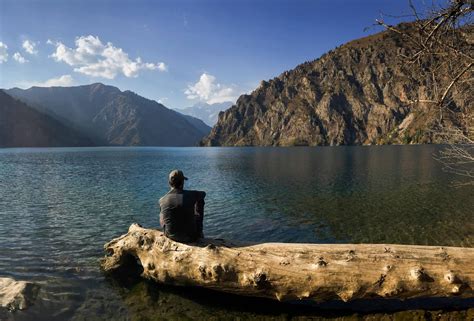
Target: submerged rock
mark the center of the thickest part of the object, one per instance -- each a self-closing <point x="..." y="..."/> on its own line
<point x="16" y="295"/>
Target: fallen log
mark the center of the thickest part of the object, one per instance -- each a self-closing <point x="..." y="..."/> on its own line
<point x="287" y="271"/>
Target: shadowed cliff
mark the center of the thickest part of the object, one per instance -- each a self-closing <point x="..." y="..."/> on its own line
<point x="23" y="126"/>
<point x="114" y="117"/>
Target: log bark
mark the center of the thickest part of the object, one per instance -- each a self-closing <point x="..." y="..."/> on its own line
<point x="287" y="271"/>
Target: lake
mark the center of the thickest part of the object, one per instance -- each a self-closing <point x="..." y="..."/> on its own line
<point x="58" y="206"/>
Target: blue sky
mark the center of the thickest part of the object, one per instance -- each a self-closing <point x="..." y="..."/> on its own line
<point x="178" y="52"/>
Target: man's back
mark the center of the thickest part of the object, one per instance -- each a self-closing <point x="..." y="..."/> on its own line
<point x="178" y="214"/>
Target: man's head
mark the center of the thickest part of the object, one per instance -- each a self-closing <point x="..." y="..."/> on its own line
<point x="176" y="179"/>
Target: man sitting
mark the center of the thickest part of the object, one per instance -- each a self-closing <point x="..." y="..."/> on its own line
<point x="182" y="211"/>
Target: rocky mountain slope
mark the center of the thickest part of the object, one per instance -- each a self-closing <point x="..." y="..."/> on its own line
<point x="208" y="113"/>
<point x="198" y="123"/>
<point x="358" y="94"/>
<point x="23" y="126"/>
<point x="113" y="117"/>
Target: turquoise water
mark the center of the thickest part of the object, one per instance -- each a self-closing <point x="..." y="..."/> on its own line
<point x="59" y="206"/>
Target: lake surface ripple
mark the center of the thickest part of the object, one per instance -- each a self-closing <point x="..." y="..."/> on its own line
<point x="59" y="206"/>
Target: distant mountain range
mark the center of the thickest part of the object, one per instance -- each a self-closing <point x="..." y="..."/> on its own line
<point x="208" y="113"/>
<point x="361" y="93"/>
<point x="113" y="117"/>
<point x="23" y="126"/>
<point x="358" y="94"/>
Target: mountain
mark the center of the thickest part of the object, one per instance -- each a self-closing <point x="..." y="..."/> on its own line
<point x="23" y="126"/>
<point x="198" y="123"/>
<point x="361" y="93"/>
<point x="208" y="113"/>
<point x="114" y="117"/>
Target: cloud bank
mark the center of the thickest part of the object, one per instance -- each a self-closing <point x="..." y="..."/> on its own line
<point x="61" y="81"/>
<point x="94" y="58"/>
<point x="209" y="91"/>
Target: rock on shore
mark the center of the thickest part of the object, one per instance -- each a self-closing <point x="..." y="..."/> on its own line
<point x="16" y="295"/>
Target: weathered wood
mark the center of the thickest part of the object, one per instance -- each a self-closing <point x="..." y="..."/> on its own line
<point x="287" y="271"/>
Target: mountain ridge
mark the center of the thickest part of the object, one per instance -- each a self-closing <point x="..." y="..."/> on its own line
<point x="360" y="93"/>
<point x="23" y="126"/>
<point x="208" y="113"/>
<point x="114" y="117"/>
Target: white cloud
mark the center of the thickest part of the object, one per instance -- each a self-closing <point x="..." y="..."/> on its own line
<point x="19" y="58"/>
<point x="3" y="52"/>
<point x="162" y="66"/>
<point x="64" y="80"/>
<point x="61" y="81"/>
<point x="30" y="47"/>
<point x="94" y="58"/>
<point x="209" y="91"/>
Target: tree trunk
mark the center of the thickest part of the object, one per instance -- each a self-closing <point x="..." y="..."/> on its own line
<point x="287" y="271"/>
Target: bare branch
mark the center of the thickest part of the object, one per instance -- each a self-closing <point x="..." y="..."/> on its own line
<point x="442" y="51"/>
<point x="454" y="81"/>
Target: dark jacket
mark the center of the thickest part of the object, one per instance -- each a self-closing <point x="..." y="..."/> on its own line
<point x="178" y="216"/>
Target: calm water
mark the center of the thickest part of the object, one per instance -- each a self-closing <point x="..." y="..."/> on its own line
<point x="59" y="206"/>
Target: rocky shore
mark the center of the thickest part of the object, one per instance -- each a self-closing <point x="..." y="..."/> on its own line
<point x="16" y="295"/>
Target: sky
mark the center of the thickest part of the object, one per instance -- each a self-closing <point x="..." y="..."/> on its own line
<point x="176" y="52"/>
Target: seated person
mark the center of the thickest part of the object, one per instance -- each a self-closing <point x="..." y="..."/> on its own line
<point x="182" y="212"/>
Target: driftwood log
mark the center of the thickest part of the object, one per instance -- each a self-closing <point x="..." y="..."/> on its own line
<point x="286" y="271"/>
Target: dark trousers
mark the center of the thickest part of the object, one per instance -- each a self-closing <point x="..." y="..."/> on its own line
<point x="199" y="213"/>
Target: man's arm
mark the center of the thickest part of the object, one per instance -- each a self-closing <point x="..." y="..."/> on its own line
<point x="199" y="211"/>
<point x="199" y="202"/>
<point x="162" y="221"/>
<point x="200" y="195"/>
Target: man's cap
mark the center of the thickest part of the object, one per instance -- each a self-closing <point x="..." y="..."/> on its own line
<point x="176" y="176"/>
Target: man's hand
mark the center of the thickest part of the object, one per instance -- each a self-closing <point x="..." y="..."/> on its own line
<point x="162" y="223"/>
